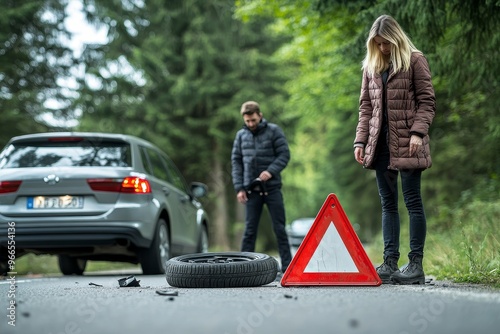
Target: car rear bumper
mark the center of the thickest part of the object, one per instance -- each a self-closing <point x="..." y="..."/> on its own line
<point x="125" y="226"/>
<point x="50" y="239"/>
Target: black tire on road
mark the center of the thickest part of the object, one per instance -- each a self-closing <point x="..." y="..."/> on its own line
<point x="221" y="270"/>
<point x="71" y="265"/>
<point x="4" y="268"/>
<point x="153" y="259"/>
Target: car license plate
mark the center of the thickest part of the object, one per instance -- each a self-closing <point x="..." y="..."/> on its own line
<point x="55" y="202"/>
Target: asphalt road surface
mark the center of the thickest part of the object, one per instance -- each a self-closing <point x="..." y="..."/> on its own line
<point x="97" y="304"/>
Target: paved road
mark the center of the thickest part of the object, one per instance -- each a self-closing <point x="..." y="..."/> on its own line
<point x="74" y="305"/>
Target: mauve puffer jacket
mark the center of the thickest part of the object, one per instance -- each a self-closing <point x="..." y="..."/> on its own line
<point x="411" y="105"/>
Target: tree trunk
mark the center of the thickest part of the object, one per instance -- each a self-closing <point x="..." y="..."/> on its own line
<point x="220" y="217"/>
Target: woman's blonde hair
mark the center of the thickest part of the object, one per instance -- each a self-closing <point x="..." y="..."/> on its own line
<point x="401" y="47"/>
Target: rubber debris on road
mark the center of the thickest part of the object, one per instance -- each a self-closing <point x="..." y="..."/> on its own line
<point x="167" y="292"/>
<point x="94" y="284"/>
<point x="130" y="281"/>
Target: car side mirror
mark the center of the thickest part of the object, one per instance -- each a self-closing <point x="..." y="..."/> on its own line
<point x="198" y="189"/>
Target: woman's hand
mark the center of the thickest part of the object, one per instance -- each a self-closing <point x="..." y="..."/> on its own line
<point x="415" y="144"/>
<point x="359" y="154"/>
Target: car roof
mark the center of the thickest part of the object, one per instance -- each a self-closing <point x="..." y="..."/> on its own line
<point x="93" y="135"/>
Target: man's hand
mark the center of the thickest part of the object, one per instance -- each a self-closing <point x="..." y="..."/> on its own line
<point x="242" y="196"/>
<point x="415" y="144"/>
<point x="265" y="175"/>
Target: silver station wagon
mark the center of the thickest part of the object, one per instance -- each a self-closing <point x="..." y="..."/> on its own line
<point x="96" y="196"/>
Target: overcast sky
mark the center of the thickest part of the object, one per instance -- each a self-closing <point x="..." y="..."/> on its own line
<point x="82" y="31"/>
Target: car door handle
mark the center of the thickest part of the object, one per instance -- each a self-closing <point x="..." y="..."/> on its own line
<point x="184" y="198"/>
<point x="166" y="191"/>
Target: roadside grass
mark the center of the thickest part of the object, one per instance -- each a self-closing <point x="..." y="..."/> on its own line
<point x="462" y="244"/>
<point x="31" y="264"/>
<point x="469" y="252"/>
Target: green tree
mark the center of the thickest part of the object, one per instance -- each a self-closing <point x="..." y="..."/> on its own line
<point x="33" y="58"/>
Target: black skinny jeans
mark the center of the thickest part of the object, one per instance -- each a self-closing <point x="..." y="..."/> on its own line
<point x="254" y="206"/>
<point x="387" y="182"/>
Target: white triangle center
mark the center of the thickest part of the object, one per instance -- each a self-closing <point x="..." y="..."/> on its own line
<point x="331" y="255"/>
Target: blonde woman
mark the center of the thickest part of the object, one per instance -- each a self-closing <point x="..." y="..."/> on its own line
<point x="396" y="109"/>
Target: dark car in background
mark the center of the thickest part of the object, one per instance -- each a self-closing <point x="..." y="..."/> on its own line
<point x="96" y="196"/>
<point x="297" y="230"/>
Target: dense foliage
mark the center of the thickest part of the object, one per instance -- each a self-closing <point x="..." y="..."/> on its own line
<point x="33" y="57"/>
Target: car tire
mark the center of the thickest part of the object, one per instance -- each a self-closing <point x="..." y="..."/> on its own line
<point x="70" y="265"/>
<point x="203" y="242"/>
<point x="221" y="270"/>
<point x="4" y="268"/>
<point x="154" y="258"/>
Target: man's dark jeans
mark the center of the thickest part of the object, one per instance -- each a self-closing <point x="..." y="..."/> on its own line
<point x="254" y="206"/>
<point x="387" y="182"/>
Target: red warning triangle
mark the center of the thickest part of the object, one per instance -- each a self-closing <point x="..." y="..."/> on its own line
<point x="331" y="253"/>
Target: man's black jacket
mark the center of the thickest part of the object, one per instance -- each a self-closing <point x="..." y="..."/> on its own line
<point x="255" y="152"/>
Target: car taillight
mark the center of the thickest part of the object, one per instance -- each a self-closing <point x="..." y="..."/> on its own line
<point x="130" y="184"/>
<point x="135" y="185"/>
<point x="9" y="186"/>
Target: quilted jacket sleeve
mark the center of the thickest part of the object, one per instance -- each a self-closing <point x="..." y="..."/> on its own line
<point x="237" y="163"/>
<point x="281" y="151"/>
<point x="424" y="97"/>
<point x="365" y="112"/>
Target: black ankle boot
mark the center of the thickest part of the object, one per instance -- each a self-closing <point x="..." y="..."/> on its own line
<point x="412" y="274"/>
<point x="386" y="269"/>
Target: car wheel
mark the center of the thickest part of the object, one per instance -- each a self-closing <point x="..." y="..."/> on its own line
<point x="154" y="258"/>
<point x="203" y="242"/>
<point x="4" y="268"/>
<point x="70" y="265"/>
<point x="221" y="270"/>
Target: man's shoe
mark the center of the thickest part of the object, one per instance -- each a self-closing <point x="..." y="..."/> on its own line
<point x="386" y="269"/>
<point x="413" y="273"/>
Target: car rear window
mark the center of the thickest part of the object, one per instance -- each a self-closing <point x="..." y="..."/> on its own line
<point x="66" y="154"/>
